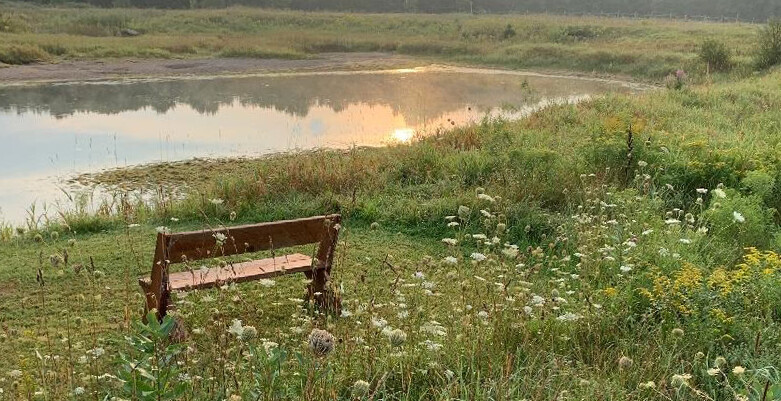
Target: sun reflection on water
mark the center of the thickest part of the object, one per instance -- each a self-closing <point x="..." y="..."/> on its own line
<point x="403" y="135"/>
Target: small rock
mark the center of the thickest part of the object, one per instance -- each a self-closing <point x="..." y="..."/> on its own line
<point x="128" y="32"/>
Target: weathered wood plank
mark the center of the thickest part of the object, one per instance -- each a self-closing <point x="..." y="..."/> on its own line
<point x="240" y="272"/>
<point x="197" y="245"/>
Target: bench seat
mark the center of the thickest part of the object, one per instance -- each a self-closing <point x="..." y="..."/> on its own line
<point x="237" y="272"/>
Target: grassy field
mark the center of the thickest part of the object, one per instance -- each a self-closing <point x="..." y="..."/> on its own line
<point x="624" y="248"/>
<point x="647" y="49"/>
<point x="585" y="273"/>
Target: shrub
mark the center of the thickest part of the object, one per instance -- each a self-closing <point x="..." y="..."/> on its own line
<point x="759" y="183"/>
<point x="22" y="54"/>
<point x="739" y="221"/>
<point x="509" y="32"/>
<point x="769" y="50"/>
<point x="716" y="55"/>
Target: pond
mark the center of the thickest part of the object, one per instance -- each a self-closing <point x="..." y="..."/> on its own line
<point x="55" y="131"/>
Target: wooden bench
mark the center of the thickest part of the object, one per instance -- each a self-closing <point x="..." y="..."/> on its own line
<point x="185" y="247"/>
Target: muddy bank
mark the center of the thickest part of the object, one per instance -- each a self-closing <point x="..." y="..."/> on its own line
<point x="69" y="71"/>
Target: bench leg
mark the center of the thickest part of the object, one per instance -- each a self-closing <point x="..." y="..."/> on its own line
<point x="324" y="298"/>
<point x="152" y="301"/>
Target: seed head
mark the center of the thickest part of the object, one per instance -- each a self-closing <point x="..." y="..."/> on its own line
<point x="321" y="342"/>
<point x="360" y="389"/>
<point x="625" y="362"/>
<point x="248" y="333"/>
<point x="680" y="380"/>
<point x="397" y="337"/>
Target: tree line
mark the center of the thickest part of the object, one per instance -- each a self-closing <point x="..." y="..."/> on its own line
<point x="743" y="9"/>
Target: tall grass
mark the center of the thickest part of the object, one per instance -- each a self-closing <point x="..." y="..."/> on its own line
<point x="645" y="49"/>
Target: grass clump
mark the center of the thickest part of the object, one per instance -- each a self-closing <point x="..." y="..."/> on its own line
<point x="257" y="52"/>
<point x="22" y="54"/>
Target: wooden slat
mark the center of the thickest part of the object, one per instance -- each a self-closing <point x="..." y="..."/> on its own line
<point x="197" y="245"/>
<point x="239" y="272"/>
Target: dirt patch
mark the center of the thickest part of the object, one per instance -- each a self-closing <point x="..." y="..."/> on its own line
<point x="69" y="71"/>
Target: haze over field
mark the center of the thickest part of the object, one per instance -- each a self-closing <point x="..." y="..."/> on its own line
<point x="489" y="200"/>
<point x="715" y="9"/>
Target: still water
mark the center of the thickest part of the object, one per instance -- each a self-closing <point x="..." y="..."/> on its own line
<point x="49" y="133"/>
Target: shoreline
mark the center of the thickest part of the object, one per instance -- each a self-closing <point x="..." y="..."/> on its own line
<point x="75" y="72"/>
<point x="145" y="70"/>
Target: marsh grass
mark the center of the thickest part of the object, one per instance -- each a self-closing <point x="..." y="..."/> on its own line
<point x="22" y="54"/>
<point x="647" y="49"/>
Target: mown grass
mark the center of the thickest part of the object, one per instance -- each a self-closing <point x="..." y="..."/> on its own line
<point x="642" y="269"/>
<point x="643" y="49"/>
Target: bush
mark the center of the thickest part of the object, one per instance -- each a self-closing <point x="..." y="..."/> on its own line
<point x="509" y="32"/>
<point x="22" y="54"/>
<point x="759" y="183"/>
<point x="739" y="221"/>
<point x="769" y="50"/>
<point x="716" y="55"/>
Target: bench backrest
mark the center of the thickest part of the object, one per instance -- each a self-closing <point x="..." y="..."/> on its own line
<point x="197" y="245"/>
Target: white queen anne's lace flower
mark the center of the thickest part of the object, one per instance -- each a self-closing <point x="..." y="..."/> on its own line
<point x="486" y="197"/>
<point x="450" y="241"/>
<point x="569" y="317"/>
<point x="360" y="389"/>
